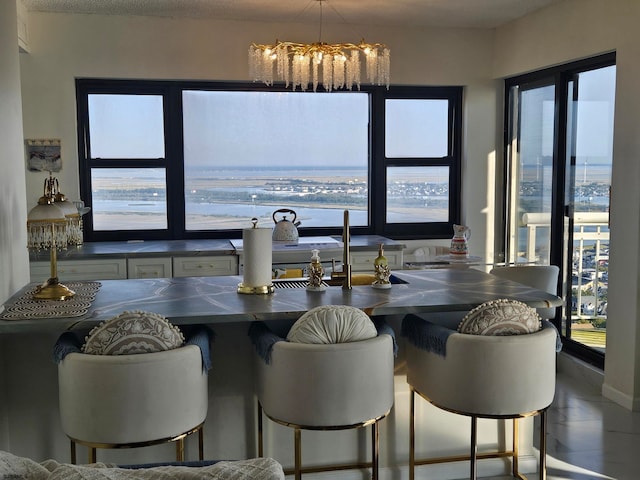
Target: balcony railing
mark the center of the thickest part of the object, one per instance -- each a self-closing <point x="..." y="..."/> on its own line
<point x="590" y="275"/>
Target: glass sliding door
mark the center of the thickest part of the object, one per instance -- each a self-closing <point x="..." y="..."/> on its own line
<point x="589" y="156"/>
<point x="558" y="151"/>
<point x="530" y="168"/>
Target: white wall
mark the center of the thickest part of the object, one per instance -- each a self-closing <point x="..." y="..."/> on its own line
<point x="568" y="31"/>
<point x="14" y="266"/>
<point x="13" y="233"/>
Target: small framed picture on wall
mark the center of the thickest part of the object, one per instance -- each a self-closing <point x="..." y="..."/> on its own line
<point x="43" y="155"/>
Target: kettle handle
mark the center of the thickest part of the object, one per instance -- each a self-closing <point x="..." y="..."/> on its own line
<point x="283" y="210"/>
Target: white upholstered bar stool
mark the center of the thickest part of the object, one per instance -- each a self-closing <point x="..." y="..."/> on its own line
<point x="327" y="386"/>
<point x="127" y="401"/>
<point x="485" y="376"/>
<point x="542" y="277"/>
<point x="113" y="397"/>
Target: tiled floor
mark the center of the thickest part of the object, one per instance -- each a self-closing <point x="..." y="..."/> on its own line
<point x="590" y="437"/>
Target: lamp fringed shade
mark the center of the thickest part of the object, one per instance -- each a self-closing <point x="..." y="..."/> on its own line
<point x="336" y="66"/>
<point x="46" y="227"/>
<point x="73" y="219"/>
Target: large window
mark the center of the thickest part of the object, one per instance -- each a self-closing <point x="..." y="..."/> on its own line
<point x="173" y="160"/>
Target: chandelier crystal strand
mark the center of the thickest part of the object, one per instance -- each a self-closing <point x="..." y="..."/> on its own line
<point x="314" y="67"/>
<point x="338" y="71"/>
<point x="301" y="72"/>
<point x="353" y="70"/>
<point x="327" y="72"/>
<point x="384" y="72"/>
<point x="295" y="72"/>
<point x="372" y="64"/>
<point x="252" y="63"/>
<point x="266" y="70"/>
<point x="282" y="59"/>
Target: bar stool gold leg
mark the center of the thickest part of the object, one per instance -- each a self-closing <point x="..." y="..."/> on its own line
<point x="298" y="455"/>
<point x="201" y="443"/>
<point x="543" y="445"/>
<point x="92" y="455"/>
<point x="412" y="435"/>
<point x="474" y="447"/>
<point x="260" y="432"/>
<point x="375" y="441"/>
<point x="73" y="452"/>
<point x="516" y="443"/>
<point x="180" y="450"/>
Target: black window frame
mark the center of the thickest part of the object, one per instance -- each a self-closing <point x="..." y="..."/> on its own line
<point x="171" y="92"/>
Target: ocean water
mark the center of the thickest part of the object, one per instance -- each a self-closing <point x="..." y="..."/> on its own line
<point x="105" y="211"/>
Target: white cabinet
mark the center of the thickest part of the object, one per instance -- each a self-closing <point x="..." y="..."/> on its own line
<point x="205" y="266"/>
<point x="362" y="261"/>
<point x="137" y="267"/>
<point x="107" y="269"/>
<point x="149" y="267"/>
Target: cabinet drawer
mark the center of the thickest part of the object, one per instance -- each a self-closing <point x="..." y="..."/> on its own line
<point x="149" y="267"/>
<point x="205" y="266"/>
<point x="112" y="269"/>
<point x="363" y="261"/>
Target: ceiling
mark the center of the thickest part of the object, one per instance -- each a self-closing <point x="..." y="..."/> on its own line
<point x="417" y="13"/>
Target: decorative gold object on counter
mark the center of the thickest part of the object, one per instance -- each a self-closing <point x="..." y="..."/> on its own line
<point x="382" y="270"/>
<point x="260" y="290"/>
<point x="316" y="272"/>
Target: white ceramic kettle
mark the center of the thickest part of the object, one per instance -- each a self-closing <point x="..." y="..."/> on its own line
<point x="285" y="230"/>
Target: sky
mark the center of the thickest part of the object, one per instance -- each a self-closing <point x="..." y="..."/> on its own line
<point x="277" y="129"/>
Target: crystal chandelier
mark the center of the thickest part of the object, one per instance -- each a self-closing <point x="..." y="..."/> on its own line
<point x="335" y="65"/>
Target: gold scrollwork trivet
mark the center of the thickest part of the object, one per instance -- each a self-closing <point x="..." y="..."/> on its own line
<point x="26" y="308"/>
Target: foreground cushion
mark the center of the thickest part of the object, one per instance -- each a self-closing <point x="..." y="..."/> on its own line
<point x="501" y="317"/>
<point x="12" y="466"/>
<point x="132" y="333"/>
<point x="251" y="469"/>
<point x="332" y="324"/>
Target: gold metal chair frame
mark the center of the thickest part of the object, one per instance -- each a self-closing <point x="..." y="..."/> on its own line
<point x="298" y="470"/>
<point x="474" y="455"/>
<point x="179" y="439"/>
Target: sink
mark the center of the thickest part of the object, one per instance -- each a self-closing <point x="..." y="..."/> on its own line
<point x="293" y="283"/>
<point x="356" y="279"/>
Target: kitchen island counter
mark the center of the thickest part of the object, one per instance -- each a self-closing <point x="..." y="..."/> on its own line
<point x="214" y="300"/>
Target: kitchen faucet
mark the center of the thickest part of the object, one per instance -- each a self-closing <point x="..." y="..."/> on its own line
<point x="345" y="275"/>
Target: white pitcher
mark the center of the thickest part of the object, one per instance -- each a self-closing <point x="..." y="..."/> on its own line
<point x="460" y="241"/>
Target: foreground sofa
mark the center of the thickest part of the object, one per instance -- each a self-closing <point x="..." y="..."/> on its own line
<point x="12" y="466"/>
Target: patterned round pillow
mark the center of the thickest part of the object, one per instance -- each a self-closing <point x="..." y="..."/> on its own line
<point x="332" y="324"/>
<point x="500" y="317"/>
<point x="131" y="333"/>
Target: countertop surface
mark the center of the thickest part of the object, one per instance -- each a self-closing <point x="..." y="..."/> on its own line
<point x="214" y="300"/>
<point x="151" y="248"/>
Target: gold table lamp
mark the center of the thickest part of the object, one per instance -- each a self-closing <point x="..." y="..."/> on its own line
<point x="47" y="228"/>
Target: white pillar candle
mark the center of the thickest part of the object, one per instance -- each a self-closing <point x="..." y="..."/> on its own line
<point x="256" y="245"/>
